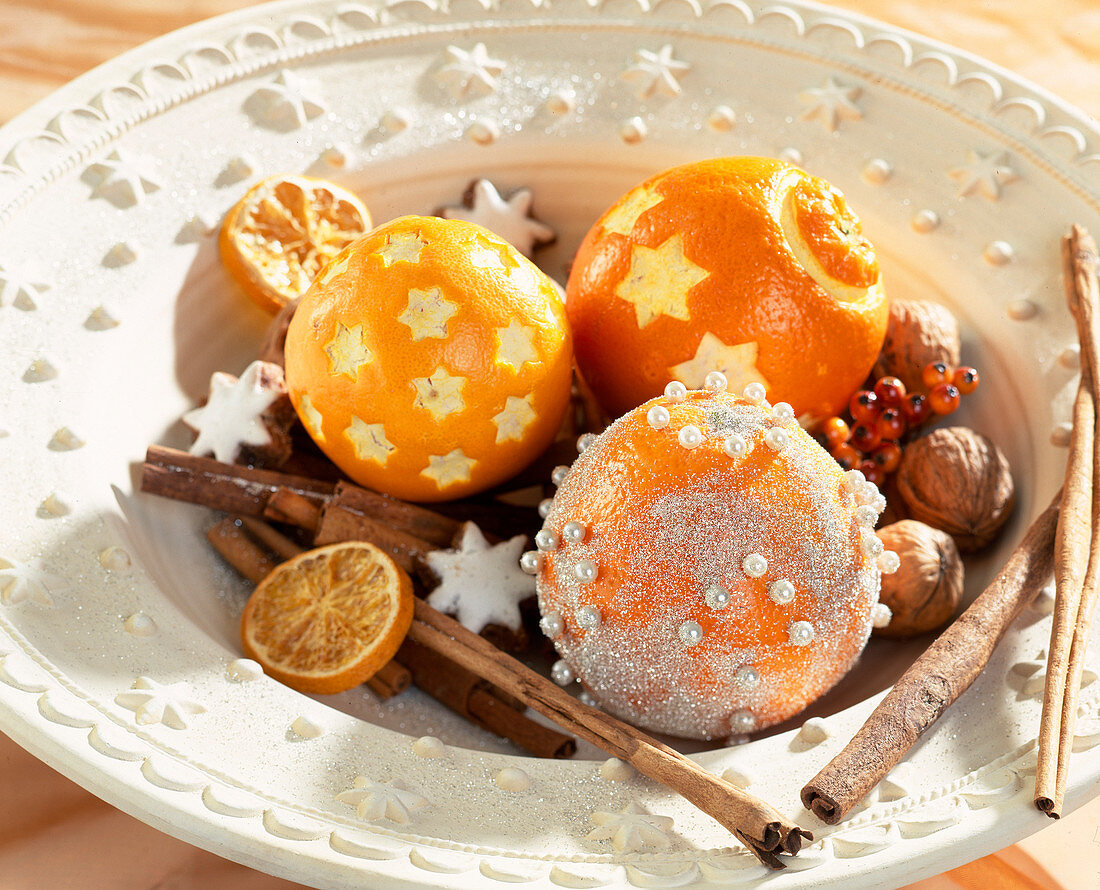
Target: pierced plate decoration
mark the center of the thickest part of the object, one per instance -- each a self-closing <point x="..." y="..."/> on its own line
<point x="964" y="176"/>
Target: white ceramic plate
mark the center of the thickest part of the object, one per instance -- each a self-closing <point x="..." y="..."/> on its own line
<point x="114" y="311"/>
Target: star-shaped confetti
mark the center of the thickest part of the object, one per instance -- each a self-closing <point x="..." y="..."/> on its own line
<point x="516" y="345"/>
<point x="481" y="583"/>
<point x="622" y="217"/>
<point x="508" y="218"/>
<point x="20" y="287"/>
<point x="232" y="415"/>
<point x="369" y="441"/>
<point x="440" y="394"/>
<point x="512" y="422"/>
<point x="311" y="417"/>
<point x="286" y="103"/>
<point x="123" y="178"/>
<point x="831" y="103"/>
<point x="632" y="830"/>
<point x="469" y="72"/>
<point x="656" y="73"/>
<point x="401" y="247"/>
<point x="427" y="313"/>
<point x="737" y="362"/>
<point x="659" y="280"/>
<point x="153" y="702"/>
<point x="376" y="800"/>
<point x="983" y="174"/>
<point x="22" y="583"/>
<point x="449" y="469"/>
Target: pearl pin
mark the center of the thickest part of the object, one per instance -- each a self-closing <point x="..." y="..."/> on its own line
<point x="755" y="393"/>
<point x="888" y="562"/>
<point x="783" y="412"/>
<point x="584" y="442"/>
<point x="746" y="677"/>
<point x="776" y="438"/>
<point x="717" y="597"/>
<point x="742" y="722"/>
<point x="552" y="625"/>
<point x="588" y="617"/>
<point x="585" y="571"/>
<point x="881" y="615"/>
<point x="545" y="506"/>
<point x="561" y="673"/>
<point x="872" y="544"/>
<point x="690" y="437"/>
<point x="691" y="633"/>
<point x="531" y="562"/>
<point x="801" y="633"/>
<point x="676" y="392"/>
<point x="735" y="446"/>
<point x="574" y="532"/>
<point x="658" y="417"/>
<point x="546" y="540"/>
<point x="558" y="475"/>
<point x="754" y="565"/>
<point x="866" y="515"/>
<point x="715" y="382"/>
<point x="781" y="591"/>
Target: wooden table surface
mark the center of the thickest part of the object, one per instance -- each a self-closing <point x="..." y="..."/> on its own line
<point x="54" y="834"/>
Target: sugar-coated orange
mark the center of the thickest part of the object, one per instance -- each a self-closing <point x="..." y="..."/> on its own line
<point x="706" y="569"/>
<point x="430" y="359"/>
<point x="744" y="265"/>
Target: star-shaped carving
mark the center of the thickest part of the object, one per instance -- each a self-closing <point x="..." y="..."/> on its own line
<point x="632" y="830"/>
<point x="516" y="345"/>
<point x="481" y="583"/>
<point x="286" y="103"/>
<point x="508" y="218"/>
<point x="440" y="394"/>
<point x="985" y="175"/>
<point x="153" y="702"/>
<point x="831" y="103"/>
<point x="233" y="413"/>
<point x="512" y="422"/>
<point x="22" y="583"/>
<point x="377" y="800"/>
<point x="659" y="280"/>
<point x="369" y="441"/>
<point x="427" y="313"/>
<point x="737" y="362"/>
<point x="473" y="72"/>
<point x="122" y="178"/>
<point x="656" y="73"/>
<point x="311" y="417"/>
<point x="347" y="351"/>
<point x="1033" y="676"/>
<point x="622" y="217"/>
<point x="484" y="256"/>
<point x="449" y="469"/>
<point x="336" y="266"/>
<point x="401" y="247"/>
<point x="20" y="287"/>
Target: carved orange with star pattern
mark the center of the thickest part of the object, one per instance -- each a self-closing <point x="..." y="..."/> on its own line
<point x="748" y="266"/>
<point x="430" y="359"/>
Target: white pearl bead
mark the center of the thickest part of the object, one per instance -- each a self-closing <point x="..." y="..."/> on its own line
<point x="545" y="506"/>
<point x="888" y="562"/>
<point x="754" y="565"/>
<point x="755" y="392"/>
<point x="715" y="382"/>
<point x="584" y="442"/>
<point x="742" y="722"/>
<point x="783" y="412"/>
<point x="717" y="597"/>
<point x="546" y="540"/>
<point x="691" y="633"/>
<point x="690" y="436"/>
<point x="587" y="698"/>
<point x="658" y="417"/>
<point x="735" y="446"/>
<point x="801" y="633"/>
<point x="588" y="617"/>
<point x="574" y="532"/>
<point x="878" y="504"/>
<point x="867" y="493"/>
<point x="776" y="438"/>
<point x="872" y="543"/>
<point x="853" y="479"/>
<point x="561" y="673"/>
<point x="559" y="474"/>
<point x="747" y="677"/>
<point x="881" y="615"/>
<point x="531" y="562"/>
<point x="552" y="624"/>
<point x="585" y="571"/>
<point x="676" y="392"/>
<point x="781" y="591"/>
<point x="866" y="516"/>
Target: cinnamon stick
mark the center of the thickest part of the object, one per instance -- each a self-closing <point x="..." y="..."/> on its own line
<point x="936" y="679"/>
<point x="765" y="831"/>
<point x="392" y="679"/>
<point x="290" y="508"/>
<point x="1078" y="563"/>
<point x="351" y="504"/>
<point x="271" y="538"/>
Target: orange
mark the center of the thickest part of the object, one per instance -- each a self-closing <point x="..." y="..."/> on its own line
<point x="430" y="359"/>
<point x="747" y="266"/>
<point x="328" y="619"/>
<point x="275" y="239"/>
<point x="706" y="568"/>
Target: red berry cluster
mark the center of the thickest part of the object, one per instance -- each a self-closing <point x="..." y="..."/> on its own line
<point x="883" y="418"/>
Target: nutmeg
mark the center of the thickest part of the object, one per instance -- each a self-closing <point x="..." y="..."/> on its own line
<point x="918" y="332"/>
<point x="924" y="592"/>
<point x="958" y="481"/>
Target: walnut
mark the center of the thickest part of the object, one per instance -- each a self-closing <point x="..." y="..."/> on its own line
<point x="919" y="332"/>
<point x="958" y="481"/>
<point x="924" y="592"/>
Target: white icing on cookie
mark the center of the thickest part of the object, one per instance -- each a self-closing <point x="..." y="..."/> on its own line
<point x="231" y="416"/>
<point x="507" y="218"/>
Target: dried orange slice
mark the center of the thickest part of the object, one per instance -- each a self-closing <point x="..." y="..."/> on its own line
<point x="284" y="230"/>
<point x="328" y="619"/>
